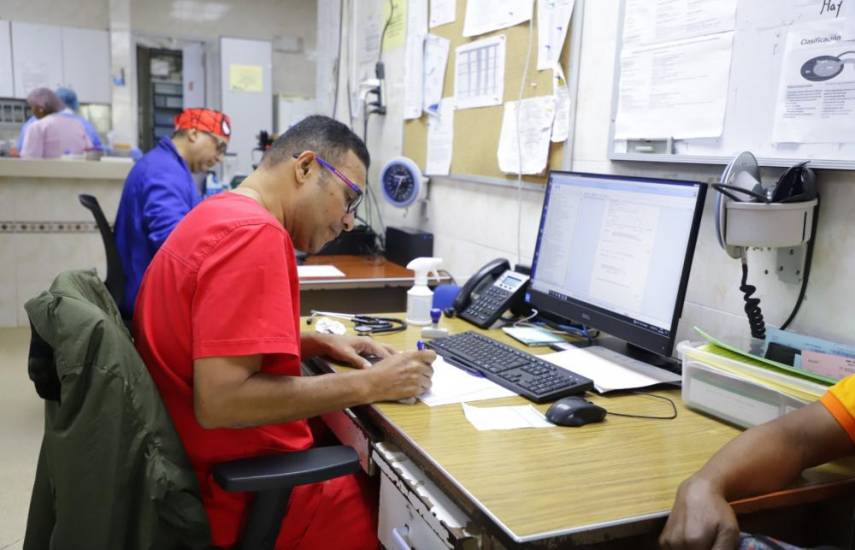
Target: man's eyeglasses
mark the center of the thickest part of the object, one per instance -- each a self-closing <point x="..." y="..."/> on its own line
<point x="222" y="145"/>
<point x="352" y="203"/>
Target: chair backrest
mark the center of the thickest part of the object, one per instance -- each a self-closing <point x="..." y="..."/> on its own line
<point x="115" y="272"/>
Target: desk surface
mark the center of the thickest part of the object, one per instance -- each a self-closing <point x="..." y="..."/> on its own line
<point x="544" y="483"/>
<point x="359" y="272"/>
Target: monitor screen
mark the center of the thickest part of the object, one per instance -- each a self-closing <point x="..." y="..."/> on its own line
<point x="614" y="253"/>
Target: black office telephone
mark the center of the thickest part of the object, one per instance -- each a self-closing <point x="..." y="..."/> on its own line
<point x="494" y="289"/>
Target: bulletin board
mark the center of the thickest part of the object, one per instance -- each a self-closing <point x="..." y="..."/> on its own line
<point x="756" y="70"/>
<point x="477" y="130"/>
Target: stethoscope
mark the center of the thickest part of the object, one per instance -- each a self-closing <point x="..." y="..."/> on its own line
<point x="364" y="324"/>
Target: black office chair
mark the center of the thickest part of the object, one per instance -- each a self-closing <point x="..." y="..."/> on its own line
<point x="115" y="272"/>
<point x="80" y="346"/>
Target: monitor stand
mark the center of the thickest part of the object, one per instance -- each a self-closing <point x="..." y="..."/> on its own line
<point x="632" y="353"/>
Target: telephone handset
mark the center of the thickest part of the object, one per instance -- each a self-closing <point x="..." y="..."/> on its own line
<point x="489" y="293"/>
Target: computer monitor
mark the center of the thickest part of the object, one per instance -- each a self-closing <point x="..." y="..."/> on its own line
<point x="614" y="253"/>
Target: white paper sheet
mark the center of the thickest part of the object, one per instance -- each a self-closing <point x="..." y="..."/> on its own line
<point x="561" y="124"/>
<point x="489" y="15"/>
<point x="442" y="12"/>
<point x="531" y="143"/>
<point x="816" y="92"/>
<point x="440" y="139"/>
<point x="435" y="62"/>
<point x="414" y="77"/>
<point x="305" y="271"/>
<point x="453" y="385"/>
<point x="414" y="80"/>
<point x="479" y="69"/>
<point x="505" y="418"/>
<point x="677" y="89"/>
<point x="657" y="21"/>
<point x="609" y="370"/>
<point x="553" y="20"/>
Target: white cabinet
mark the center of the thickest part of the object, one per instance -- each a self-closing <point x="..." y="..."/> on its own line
<point x="36" y="57"/>
<point x="52" y="56"/>
<point x="86" y="64"/>
<point x="7" y="88"/>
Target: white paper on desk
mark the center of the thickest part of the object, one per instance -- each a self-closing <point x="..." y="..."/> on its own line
<point x="440" y="139"/>
<point x="607" y="374"/>
<point x="675" y="89"/>
<point x="553" y="19"/>
<point x="318" y="271"/>
<point x="479" y="73"/>
<point x="435" y="61"/>
<point x="489" y="15"/>
<point x="442" y="12"/>
<point x="561" y="124"/>
<point x="453" y="385"/>
<point x="505" y="418"/>
<point x="530" y="143"/>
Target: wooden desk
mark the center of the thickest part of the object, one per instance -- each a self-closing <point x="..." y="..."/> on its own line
<point x="567" y="485"/>
<point x="371" y="284"/>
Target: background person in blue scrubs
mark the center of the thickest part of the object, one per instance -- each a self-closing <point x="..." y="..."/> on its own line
<point x="159" y="191"/>
<point x="72" y="108"/>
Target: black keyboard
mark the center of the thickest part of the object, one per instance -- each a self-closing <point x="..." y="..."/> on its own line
<point x="517" y="370"/>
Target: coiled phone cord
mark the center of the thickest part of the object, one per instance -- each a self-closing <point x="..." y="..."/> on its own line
<point x="752" y="305"/>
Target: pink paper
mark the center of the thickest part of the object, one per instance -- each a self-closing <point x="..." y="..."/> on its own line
<point x="833" y="366"/>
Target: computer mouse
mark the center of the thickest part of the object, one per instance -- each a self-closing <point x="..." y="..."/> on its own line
<point x="574" y="411"/>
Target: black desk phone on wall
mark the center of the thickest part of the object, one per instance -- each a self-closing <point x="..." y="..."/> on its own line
<point x="494" y="289"/>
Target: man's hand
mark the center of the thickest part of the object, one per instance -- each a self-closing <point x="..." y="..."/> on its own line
<point x="401" y="376"/>
<point x="346" y="349"/>
<point x="701" y="519"/>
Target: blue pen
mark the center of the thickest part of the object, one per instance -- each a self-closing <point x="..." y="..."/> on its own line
<point x="420" y="345"/>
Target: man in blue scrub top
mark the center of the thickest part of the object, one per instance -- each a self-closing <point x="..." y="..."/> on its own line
<point x="72" y="108"/>
<point x="160" y="191"/>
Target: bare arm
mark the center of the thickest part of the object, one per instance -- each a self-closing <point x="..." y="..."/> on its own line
<point x="761" y="460"/>
<point x="232" y="392"/>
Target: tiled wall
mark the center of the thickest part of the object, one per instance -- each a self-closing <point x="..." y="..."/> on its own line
<point x="473" y="223"/>
<point x="45" y="230"/>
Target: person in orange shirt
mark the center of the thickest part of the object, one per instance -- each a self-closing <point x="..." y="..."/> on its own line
<point x="763" y="459"/>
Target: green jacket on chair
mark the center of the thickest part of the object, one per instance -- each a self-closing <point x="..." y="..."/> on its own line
<point x="112" y="473"/>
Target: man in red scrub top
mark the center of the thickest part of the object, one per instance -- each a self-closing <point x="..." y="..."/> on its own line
<point x="217" y="322"/>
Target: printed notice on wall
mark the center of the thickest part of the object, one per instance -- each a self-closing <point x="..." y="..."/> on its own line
<point x="246" y="78"/>
<point x="440" y="142"/>
<point x="483" y="16"/>
<point x="675" y="89"/>
<point x="479" y="70"/>
<point x="816" y="91"/>
<point x="524" y="140"/>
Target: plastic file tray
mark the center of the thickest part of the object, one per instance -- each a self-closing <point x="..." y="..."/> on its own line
<point x="739" y="392"/>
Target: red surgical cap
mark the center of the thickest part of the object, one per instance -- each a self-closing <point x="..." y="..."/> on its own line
<point x="206" y="120"/>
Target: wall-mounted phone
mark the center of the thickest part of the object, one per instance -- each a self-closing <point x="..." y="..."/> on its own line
<point x="494" y="289"/>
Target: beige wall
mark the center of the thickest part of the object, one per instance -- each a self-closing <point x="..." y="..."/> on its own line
<point x="90" y="14"/>
<point x="293" y="74"/>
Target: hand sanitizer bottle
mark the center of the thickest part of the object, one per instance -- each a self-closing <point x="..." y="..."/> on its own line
<point x="420" y="297"/>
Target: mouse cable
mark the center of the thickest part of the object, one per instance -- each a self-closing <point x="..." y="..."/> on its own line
<point x="663" y="398"/>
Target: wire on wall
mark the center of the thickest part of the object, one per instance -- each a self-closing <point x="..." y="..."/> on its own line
<point x="337" y="69"/>
<point x="519" y="137"/>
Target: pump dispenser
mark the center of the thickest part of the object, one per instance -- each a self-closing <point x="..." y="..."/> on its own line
<point x="420" y="297"/>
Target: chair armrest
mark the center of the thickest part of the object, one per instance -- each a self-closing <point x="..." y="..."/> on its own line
<point x="267" y="473"/>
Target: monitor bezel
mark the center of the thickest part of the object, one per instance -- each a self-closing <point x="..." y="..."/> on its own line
<point x="594" y="316"/>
